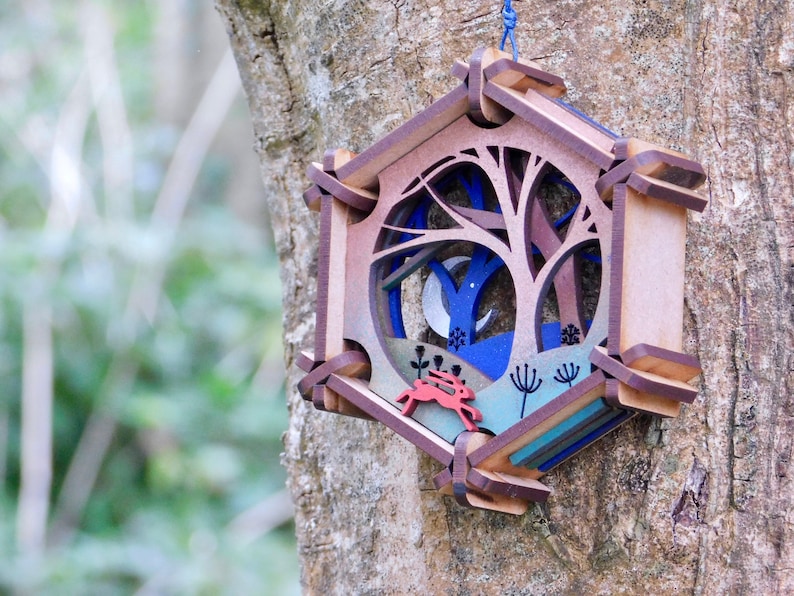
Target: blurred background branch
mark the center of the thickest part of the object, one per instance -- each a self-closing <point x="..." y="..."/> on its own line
<point x="140" y="332"/>
<point x="36" y="438"/>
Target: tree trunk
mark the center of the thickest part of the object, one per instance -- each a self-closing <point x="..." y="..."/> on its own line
<point x="701" y="503"/>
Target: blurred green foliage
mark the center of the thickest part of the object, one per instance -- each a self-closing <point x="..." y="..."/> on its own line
<point x="195" y="394"/>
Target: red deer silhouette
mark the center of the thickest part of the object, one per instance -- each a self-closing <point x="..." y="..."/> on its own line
<point x="426" y="391"/>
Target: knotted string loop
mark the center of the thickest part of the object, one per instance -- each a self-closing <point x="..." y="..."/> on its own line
<point x="510" y="19"/>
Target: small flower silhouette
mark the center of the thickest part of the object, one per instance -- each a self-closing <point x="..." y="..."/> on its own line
<point x="457" y="338"/>
<point x="570" y="335"/>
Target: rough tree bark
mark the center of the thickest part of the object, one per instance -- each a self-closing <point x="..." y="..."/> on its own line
<point x="702" y="503"/>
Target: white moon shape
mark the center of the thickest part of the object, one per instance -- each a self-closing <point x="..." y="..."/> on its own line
<point x="435" y="305"/>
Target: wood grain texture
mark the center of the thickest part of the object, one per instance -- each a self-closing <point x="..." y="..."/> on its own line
<point x="654" y="163"/>
<point x="524" y="75"/>
<point x="351" y="363"/>
<point x="647" y="277"/>
<point x="665" y="191"/>
<point x="552" y="119"/>
<point x="697" y="504"/>
<point x="357" y="198"/>
<point x="482" y="109"/>
<point x="643" y="381"/>
<point x="466" y="492"/>
<point x="490" y="64"/>
<point x="667" y="363"/>
<point x="355" y="391"/>
<point x="363" y="170"/>
<point x="540" y="421"/>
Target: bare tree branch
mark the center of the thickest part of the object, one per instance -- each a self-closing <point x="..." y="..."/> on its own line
<point x="68" y="199"/>
<point x="263" y="517"/>
<point x="114" y="130"/>
<point x="181" y="176"/>
<point x="91" y="450"/>
<point x="36" y="456"/>
<point x="143" y="298"/>
<point x="69" y="194"/>
<point x="4" y="426"/>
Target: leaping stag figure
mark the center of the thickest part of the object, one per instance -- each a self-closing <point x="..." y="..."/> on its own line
<point x="425" y="391"/>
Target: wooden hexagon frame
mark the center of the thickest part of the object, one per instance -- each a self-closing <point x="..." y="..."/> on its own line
<point x="633" y="199"/>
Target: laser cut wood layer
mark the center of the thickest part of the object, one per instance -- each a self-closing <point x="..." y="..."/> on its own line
<point x="546" y="244"/>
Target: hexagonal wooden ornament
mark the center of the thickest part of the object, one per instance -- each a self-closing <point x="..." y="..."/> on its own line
<point x="500" y="281"/>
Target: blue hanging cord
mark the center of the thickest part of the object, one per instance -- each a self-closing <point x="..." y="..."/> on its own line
<point x="510" y="19"/>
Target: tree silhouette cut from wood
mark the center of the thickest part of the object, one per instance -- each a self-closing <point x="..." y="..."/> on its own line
<point x="497" y="231"/>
